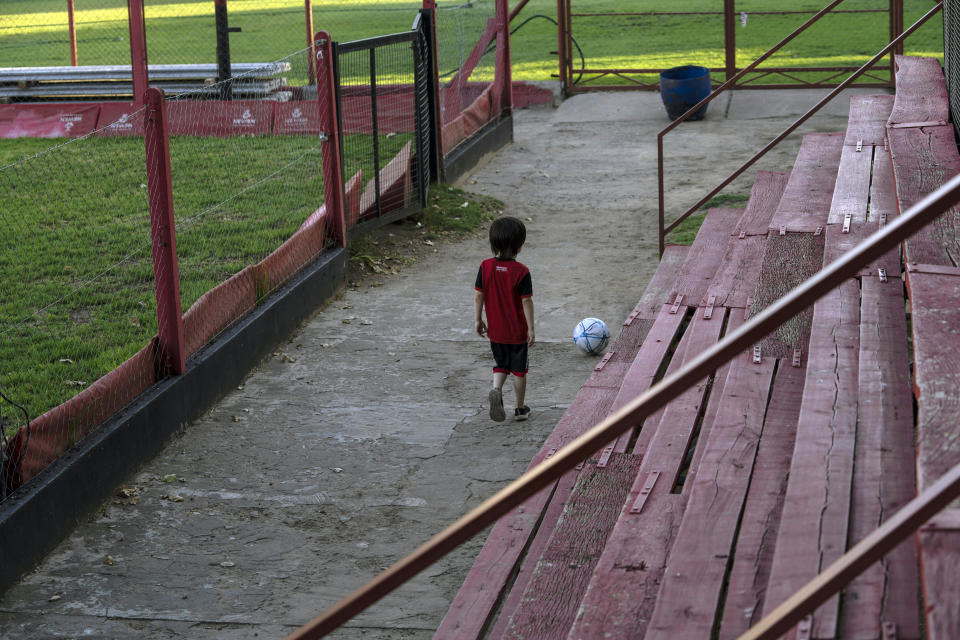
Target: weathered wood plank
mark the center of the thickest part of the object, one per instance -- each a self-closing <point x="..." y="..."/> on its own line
<point x="736" y="280"/>
<point x="541" y="538"/>
<point x="813" y="529"/>
<point x="867" y="122"/>
<point x="787" y="261"/>
<point x="690" y="594"/>
<point x="760" y="523"/>
<point x="764" y="198"/>
<point x="883" y="190"/>
<point x="882" y="210"/>
<point x="923" y="160"/>
<point x="658" y="290"/>
<point x="550" y="601"/>
<point x="489" y="577"/>
<point x="620" y="596"/>
<point x="705" y="254"/>
<point x="838" y="243"/>
<point x="851" y="195"/>
<point x="806" y="199"/>
<point x="882" y="481"/>
<point x="648" y="428"/>
<point x="735" y="318"/>
<point x="653" y="353"/>
<point x="940" y="557"/>
<point x="921" y="91"/>
<point x="934" y="300"/>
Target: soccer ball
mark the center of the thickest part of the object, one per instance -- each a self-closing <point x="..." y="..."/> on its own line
<point x="591" y="335"/>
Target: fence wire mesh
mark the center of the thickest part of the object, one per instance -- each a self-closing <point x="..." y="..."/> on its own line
<point x="378" y="116"/>
<point x="76" y="286"/>
<point x="951" y="57"/>
<point x="78" y="290"/>
<point x="613" y="45"/>
<point x="84" y="333"/>
<point x="245" y="200"/>
<point x="466" y="43"/>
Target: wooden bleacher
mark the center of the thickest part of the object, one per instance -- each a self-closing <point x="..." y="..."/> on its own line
<point x="725" y="503"/>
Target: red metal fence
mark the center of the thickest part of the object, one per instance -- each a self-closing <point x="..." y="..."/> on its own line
<point x="238" y="203"/>
<point x="596" y="47"/>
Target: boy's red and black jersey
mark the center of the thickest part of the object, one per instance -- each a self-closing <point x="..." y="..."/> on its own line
<point x="504" y="283"/>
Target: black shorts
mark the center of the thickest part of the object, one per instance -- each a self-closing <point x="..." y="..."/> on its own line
<point x="510" y="358"/>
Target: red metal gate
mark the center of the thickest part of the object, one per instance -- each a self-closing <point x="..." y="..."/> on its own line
<point x="597" y="47"/>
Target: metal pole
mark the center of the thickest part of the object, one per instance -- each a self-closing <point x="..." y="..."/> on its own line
<point x="138" y="49"/>
<point x="72" y="26"/>
<point x="376" y="129"/>
<point x="436" y="97"/>
<point x="730" y="37"/>
<point x="502" y="75"/>
<point x="561" y="46"/>
<point x="703" y="365"/>
<point x="223" y="49"/>
<point x="661" y="237"/>
<point x="171" y="357"/>
<point x="330" y="147"/>
<point x="312" y="53"/>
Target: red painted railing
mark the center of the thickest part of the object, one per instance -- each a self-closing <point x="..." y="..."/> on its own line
<point x="892" y="46"/>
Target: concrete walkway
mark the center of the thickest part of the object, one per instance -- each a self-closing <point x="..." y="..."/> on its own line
<point x="360" y="440"/>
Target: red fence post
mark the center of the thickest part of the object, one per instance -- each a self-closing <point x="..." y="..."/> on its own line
<point x="729" y="39"/>
<point x="330" y="125"/>
<point x="72" y="26"/>
<point x="502" y="74"/>
<point x="171" y="358"/>
<point x="138" y="49"/>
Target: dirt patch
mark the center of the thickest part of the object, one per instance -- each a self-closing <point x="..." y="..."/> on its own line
<point x="452" y="216"/>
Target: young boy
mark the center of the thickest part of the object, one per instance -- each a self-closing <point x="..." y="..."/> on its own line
<point x="504" y="288"/>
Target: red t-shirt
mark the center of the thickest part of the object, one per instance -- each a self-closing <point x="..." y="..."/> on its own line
<point x="504" y="283"/>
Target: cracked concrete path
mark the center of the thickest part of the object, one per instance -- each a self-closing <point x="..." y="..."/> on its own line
<point x="362" y="440"/>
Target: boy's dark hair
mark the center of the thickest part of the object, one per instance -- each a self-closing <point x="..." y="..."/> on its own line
<point x="507" y="235"/>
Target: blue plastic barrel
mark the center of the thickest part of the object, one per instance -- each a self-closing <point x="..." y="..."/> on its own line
<point x="682" y="88"/>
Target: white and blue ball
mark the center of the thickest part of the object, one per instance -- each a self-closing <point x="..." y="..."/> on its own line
<point x="591" y="335"/>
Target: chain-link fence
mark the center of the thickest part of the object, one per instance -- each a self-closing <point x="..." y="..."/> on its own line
<point x="239" y="193"/>
<point x="76" y="288"/>
<point x="951" y="57"/>
<point x="79" y="290"/>
<point x="100" y="302"/>
<point x="611" y="45"/>
<point x="379" y="79"/>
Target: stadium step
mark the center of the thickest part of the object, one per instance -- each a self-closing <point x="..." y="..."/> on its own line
<point x="924" y="156"/>
<point x="722" y="505"/>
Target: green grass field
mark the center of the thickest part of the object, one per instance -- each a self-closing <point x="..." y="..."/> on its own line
<point x="76" y="259"/>
<point x="34" y="32"/>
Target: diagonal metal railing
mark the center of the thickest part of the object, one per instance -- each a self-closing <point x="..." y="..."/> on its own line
<point x="892" y="45"/>
<point x="536" y="479"/>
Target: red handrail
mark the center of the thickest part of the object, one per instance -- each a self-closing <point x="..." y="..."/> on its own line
<point x="514" y="494"/>
<point x="892" y="45"/>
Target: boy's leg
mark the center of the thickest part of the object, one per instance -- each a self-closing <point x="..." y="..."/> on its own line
<point x="522" y="412"/>
<point x="495" y="397"/>
<point x="519" y="389"/>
